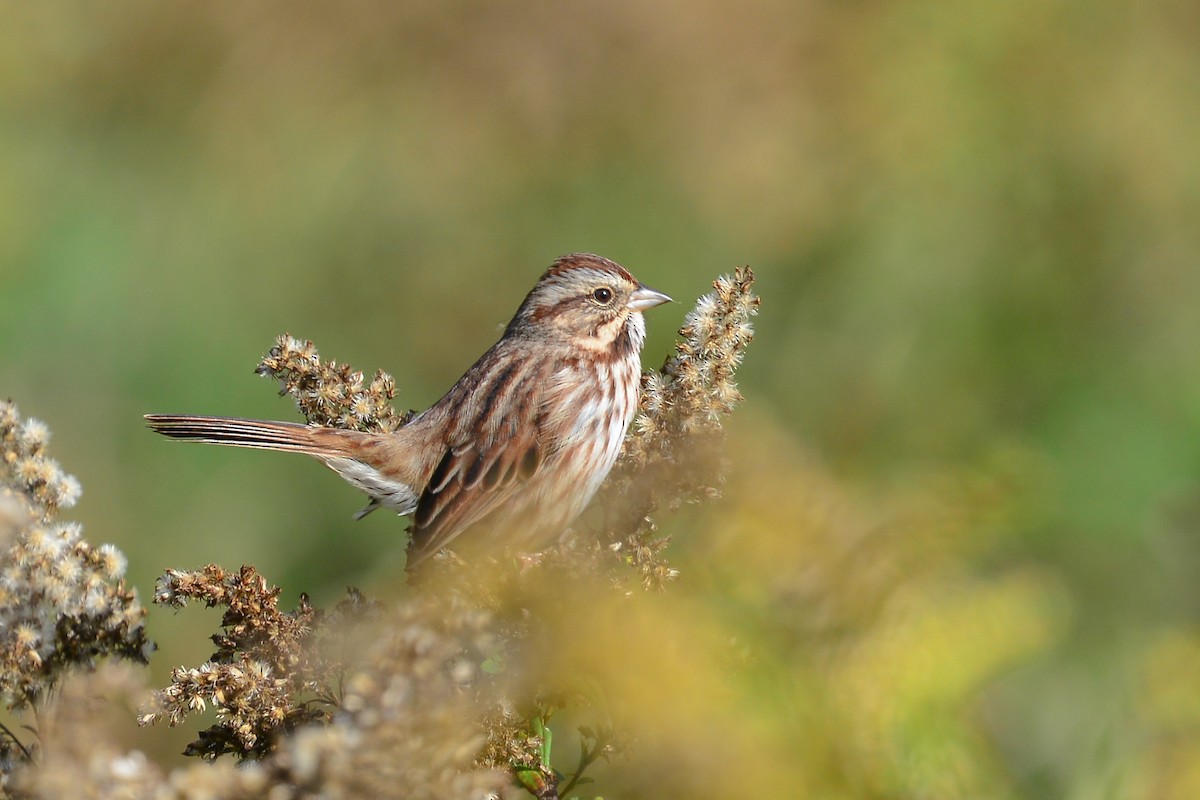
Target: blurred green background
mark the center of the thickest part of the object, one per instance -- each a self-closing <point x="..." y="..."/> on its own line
<point x="959" y="547"/>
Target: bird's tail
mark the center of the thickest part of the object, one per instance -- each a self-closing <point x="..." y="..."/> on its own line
<point x="322" y="443"/>
<point x="372" y="462"/>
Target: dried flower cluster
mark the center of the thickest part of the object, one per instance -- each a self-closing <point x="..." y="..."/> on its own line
<point x="63" y="603"/>
<point x="27" y="470"/>
<point x="400" y="721"/>
<point x="512" y="743"/>
<point x="695" y="387"/>
<point x="406" y="727"/>
<point x="672" y="454"/>
<point x="331" y="394"/>
<point x="273" y="670"/>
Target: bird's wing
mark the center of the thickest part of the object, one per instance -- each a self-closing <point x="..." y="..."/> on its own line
<point x="491" y="449"/>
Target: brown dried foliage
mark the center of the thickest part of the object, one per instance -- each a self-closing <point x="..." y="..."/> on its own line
<point x="63" y="602"/>
<point x="331" y="394"/>
<point x="272" y="671"/>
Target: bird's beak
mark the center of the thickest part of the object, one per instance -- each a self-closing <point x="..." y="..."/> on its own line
<point x="644" y="297"/>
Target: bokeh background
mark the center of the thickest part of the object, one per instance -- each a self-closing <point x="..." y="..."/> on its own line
<point x="958" y="553"/>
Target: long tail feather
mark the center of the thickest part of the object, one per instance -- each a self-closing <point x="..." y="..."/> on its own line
<point x="261" y="434"/>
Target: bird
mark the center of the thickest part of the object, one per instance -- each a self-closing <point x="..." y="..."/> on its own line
<point x="514" y="451"/>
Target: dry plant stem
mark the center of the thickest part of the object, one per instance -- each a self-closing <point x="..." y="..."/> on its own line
<point x="587" y="757"/>
<point x="12" y="737"/>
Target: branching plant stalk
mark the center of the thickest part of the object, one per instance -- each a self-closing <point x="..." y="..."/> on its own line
<point x="13" y="738"/>
<point x="587" y="757"/>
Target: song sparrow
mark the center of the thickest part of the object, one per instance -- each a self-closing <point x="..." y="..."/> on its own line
<point x="519" y="444"/>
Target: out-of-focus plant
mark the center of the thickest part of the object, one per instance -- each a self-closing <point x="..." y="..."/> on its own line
<point x="63" y="602"/>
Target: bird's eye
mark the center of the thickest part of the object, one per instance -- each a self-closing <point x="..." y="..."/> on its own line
<point x="602" y="295"/>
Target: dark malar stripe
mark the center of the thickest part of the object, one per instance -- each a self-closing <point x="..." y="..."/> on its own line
<point x="622" y="346"/>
